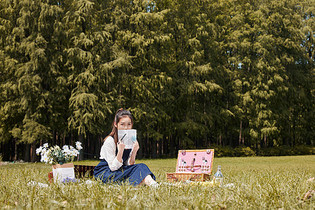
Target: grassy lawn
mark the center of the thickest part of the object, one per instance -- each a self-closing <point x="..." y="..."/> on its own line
<point x="259" y="183"/>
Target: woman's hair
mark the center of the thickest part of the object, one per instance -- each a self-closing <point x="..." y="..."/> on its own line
<point x="119" y="114"/>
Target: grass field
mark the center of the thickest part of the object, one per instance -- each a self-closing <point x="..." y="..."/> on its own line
<point x="259" y="183"/>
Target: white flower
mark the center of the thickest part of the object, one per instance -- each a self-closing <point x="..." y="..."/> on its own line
<point x="65" y="147"/>
<point x="76" y="152"/>
<point x="54" y="154"/>
<point x="44" y="150"/>
<point x="44" y="158"/>
<point x="39" y="150"/>
<point x="78" y="145"/>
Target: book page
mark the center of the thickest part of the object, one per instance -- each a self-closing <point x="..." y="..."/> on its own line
<point x="129" y="137"/>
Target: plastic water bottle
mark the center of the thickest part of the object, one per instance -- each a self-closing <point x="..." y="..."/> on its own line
<point x="218" y="177"/>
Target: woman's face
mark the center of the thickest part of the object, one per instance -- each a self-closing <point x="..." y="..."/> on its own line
<point x="124" y="123"/>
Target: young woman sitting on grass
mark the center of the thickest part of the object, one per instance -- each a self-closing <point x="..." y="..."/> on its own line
<point x="117" y="163"/>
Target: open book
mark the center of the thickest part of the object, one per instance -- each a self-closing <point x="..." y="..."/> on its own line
<point x="129" y="137"/>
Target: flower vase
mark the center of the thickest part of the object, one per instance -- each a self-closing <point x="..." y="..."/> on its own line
<point x="62" y="172"/>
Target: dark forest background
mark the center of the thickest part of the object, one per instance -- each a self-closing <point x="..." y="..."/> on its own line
<point x="235" y="75"/>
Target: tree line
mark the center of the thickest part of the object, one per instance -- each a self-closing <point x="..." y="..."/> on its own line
<point x="194" y="73"/>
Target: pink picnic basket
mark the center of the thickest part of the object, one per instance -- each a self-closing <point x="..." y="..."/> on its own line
<point x="193" y="165"/>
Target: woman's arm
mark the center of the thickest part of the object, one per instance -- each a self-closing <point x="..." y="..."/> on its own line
<point x="108" y="152"/>
<point x="133" y="154"/>
<point x="120" y="152"/>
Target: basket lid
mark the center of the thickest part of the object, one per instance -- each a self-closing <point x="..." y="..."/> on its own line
<point x="195" y="161"/>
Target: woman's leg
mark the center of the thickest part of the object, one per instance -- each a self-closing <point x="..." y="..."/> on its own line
<point x="149" y="181"/>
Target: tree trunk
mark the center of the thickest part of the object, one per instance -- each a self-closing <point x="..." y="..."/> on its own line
<point x="15" y="150"/>
<point x="54" y="140"/>
<point x="172" y="146"/>
<point x="240" y="136"/>
<point x="92" y="148"/>
<point x="81" y="155"/>
<point x="154" y="144"/>
<point x="145" y="147"/>
<point x="27" y="153"/>
<point x="88" y="147"/>
<point x="157" y="148"/>
<point x="165" y="146"/>
<point x="162" y="146"/>
<point x="33" y="152"/>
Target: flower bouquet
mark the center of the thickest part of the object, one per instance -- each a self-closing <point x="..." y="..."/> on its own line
<point x="56" y="155"/>
<point x="63" y="168"/>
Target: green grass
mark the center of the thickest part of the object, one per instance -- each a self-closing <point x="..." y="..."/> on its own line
<point x="259" y="183"/>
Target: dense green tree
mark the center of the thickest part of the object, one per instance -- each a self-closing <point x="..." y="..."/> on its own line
<point x="86" y="101"/>
<point x="194" y="73"/>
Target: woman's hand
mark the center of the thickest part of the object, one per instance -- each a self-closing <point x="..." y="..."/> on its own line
<point x="134" y="151"/>
<point x="120" y="147"/>
<point x="135" y="146"/>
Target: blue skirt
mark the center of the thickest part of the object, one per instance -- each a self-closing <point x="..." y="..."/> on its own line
<point x="132" y="174"/>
